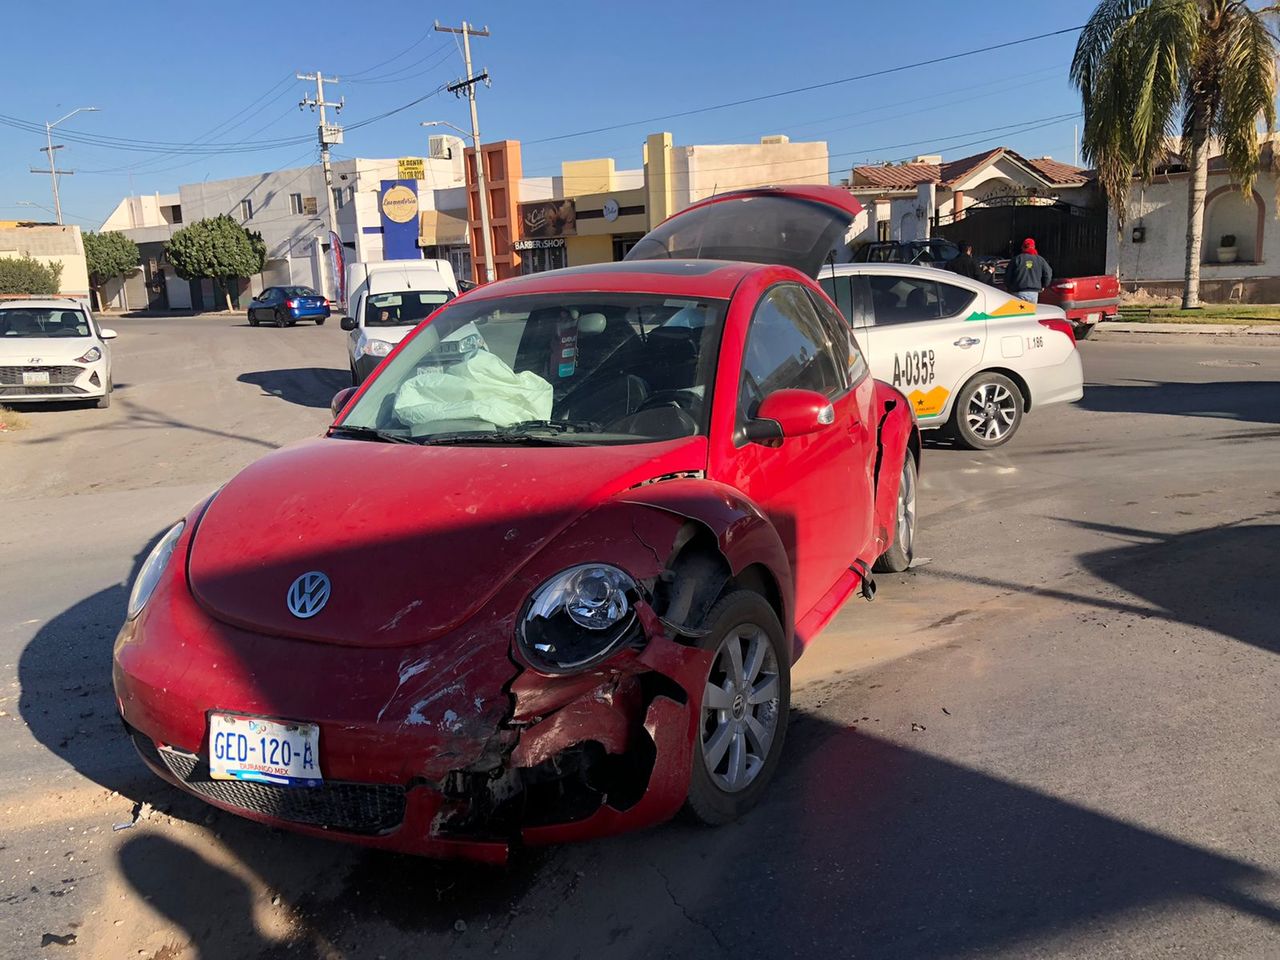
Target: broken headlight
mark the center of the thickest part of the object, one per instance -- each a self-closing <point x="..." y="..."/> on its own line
<point x="577" y="618"/>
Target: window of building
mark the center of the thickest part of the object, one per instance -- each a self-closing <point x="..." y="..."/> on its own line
<point x="295" y="203"/>
<point x="246" y="209"/>
<point x="339" y="198"/>
<point x="622" y="246"/>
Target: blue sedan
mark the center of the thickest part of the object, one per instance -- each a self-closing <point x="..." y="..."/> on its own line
<point x="285" y="306"/>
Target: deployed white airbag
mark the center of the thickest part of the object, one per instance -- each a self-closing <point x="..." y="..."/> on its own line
<point x="481" y="387"/>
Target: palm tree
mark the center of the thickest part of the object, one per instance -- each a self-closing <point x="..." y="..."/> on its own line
<point x="1147" y="68"/>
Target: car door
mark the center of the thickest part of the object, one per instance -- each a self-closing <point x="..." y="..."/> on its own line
<point x="926" y="337"/>
<point x="811" y="487"/>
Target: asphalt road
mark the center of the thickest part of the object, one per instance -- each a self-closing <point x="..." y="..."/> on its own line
<point x="1055" y="739"/>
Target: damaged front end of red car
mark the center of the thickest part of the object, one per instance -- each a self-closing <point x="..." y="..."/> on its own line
<point x="464" y="747"/>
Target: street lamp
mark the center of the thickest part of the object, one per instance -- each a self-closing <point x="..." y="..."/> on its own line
<point x="489" y="267"/>
<point x="53" y="169"/>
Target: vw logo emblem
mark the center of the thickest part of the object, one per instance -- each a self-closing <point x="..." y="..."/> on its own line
<point x="308" y="595"/>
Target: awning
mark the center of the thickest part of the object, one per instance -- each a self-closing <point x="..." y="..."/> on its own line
<point x="442" y="228"/>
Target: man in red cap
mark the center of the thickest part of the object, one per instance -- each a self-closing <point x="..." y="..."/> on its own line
<point x="1028" y="273"/>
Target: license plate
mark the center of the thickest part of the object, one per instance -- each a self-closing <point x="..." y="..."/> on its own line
<point x="35" y="378"/>
<point x="1092" y="318"/>
<point x="265" y="751"/>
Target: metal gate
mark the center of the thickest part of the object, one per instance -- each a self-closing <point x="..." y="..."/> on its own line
<point x="1073" y="239"/>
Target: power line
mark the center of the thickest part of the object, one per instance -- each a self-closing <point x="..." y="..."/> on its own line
<point x="812" y="86"/>
<point x="351" y="77"/>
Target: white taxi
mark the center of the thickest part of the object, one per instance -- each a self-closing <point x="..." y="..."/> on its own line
<point x="53" y="349"/>
<point x="973" y="360"/>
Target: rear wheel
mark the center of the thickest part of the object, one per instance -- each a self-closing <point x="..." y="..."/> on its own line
<point x="1082" y="330"/>
<point x="988" y="411"/>
<point x="899" y="556"/>
<point x="280" y="320"/>
<point x="745" y="705"/>
<point x="320" y="321"/>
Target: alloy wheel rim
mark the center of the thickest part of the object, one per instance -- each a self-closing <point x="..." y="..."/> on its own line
<point x="907" y="508"/>
<point x="740" y="708"/>
<point x="991" y="411"/>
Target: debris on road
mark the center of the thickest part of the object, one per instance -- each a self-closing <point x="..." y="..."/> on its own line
<point x="62" y="940"/>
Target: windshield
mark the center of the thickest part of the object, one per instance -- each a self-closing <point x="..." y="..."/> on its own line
<point x="35" y="322"/>
<point x="404" y="308"/>
<point x="556" y="368"/>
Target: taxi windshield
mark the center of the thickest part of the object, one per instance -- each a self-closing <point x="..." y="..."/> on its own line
<point x="549" y="369"/>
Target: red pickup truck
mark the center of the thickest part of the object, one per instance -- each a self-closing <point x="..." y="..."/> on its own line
<point x="1086" y="300"/>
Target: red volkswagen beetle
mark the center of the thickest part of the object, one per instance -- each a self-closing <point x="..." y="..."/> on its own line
<point x="545" y="575"/>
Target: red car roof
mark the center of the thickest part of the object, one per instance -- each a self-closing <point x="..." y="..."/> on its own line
<point x="699" y="278"/>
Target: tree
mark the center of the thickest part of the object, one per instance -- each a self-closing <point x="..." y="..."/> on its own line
<point x="26" y="275"/>
<point x="217" y="248"/>
<point x="1148" y="68"/>
<point x="109" y="255"/>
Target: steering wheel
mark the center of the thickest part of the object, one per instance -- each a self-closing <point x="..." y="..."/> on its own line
<point x="686" y="400"/>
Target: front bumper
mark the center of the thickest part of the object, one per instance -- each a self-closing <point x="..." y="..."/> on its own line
<point x="448" y="749"/>
<point x="67" y="381"/>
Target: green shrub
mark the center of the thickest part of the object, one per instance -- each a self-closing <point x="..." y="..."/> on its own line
<point x="26" y="275"/>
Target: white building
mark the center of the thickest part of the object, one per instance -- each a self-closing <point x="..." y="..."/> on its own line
<point x="1151" y="253"/>
<point x="290" y="209"/>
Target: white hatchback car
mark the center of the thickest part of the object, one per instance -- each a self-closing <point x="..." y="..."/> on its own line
<point x="971" y="359"/>
<point x="53" y="349"/>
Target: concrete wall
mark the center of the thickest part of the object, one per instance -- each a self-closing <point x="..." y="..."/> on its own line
<point x="702" y="171"/>
<point x="49" y="243"/>
<point x="148" y="210"/>
<point x="1158" y="264"/>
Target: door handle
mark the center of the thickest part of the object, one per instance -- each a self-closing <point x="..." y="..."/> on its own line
<point x="967" y="342"/>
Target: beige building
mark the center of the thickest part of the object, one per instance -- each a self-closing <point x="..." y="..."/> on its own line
<point x="49" y="243"/>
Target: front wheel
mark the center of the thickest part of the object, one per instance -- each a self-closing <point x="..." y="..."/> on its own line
<point x="988" y="411"/>
<point x="253" y="319"/>
<point x="745" y="705"/>
<point x="899" y="556"/>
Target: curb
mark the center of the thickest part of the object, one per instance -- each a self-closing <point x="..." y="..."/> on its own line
<point x="1193" y="329"/>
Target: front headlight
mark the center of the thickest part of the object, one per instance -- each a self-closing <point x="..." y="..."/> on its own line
<point x="377" y="348"/>
<point x="152" y="568"/>
<point x="577" y="618"/>
<point x="90" y="355"/>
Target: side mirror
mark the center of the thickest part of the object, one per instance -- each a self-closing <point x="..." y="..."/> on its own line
<point x="348" y="323"/>
<point x="108" y="334"/>
<point x="341" y="399"/>
<point x="790" y="413"/>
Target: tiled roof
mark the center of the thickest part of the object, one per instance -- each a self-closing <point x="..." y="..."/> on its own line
<point x="906" y="176"/>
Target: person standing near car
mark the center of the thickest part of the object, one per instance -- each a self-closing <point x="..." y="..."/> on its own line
<point x="964" y="264"/>
<point x="1028" y="273"/>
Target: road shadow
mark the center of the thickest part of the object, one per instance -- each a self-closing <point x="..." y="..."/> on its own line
<point x="305" y="386"/>
<point x="861" y="848"/>
<point x="1244" y="400"/>
<point x="1222" y="578"/>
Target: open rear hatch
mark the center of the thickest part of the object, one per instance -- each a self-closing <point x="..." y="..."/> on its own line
<point x="803" y="227"/>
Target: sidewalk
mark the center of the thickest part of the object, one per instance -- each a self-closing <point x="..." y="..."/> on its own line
<point x="1237" y="329"/>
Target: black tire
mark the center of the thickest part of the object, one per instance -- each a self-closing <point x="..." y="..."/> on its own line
<point x="320" y="321"/>
<point x="104" y="401"/>
<point x="899" y="556"/>
<point x="708" y="803"/>
<point x="253" y="320"/>
<point x="280" y="321"/>
<point x="1083" y="330"/>
<point x="1006" y="418"/>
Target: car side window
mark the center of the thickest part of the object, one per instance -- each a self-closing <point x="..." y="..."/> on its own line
<point x="838" y="329"/>
<point x="788" y="347"/>
<point x="954" y="300"/>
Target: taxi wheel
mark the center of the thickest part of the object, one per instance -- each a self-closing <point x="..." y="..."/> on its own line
<point x="988" y="411"/>
<point x="899" y="556"/>
<point x="744" y="709"/>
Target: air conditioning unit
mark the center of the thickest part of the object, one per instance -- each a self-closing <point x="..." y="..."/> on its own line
<point x="439" y="148"/>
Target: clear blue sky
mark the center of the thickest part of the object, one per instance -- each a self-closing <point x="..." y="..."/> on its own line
<point x="175" y="72"/>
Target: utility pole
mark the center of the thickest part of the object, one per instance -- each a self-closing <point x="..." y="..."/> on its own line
<point x="329" y="135"/>
<point x="53" y="171"/>
<point x="469" y="84"/>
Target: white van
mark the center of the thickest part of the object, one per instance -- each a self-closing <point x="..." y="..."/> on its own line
<point x="386" y="301"/>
